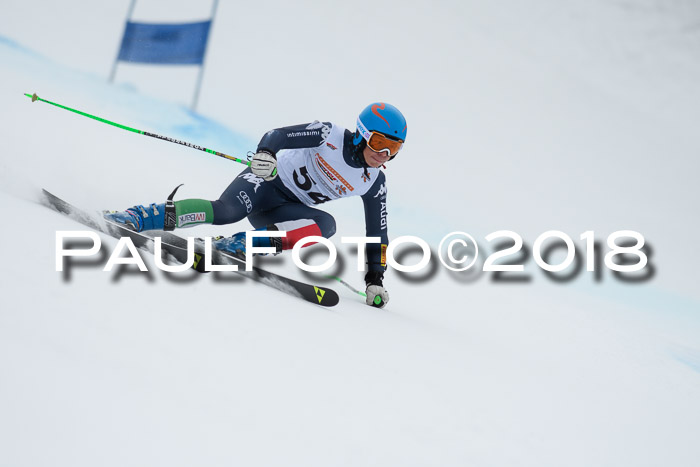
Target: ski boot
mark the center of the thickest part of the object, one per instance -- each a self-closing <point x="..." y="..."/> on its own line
<point x="152" y="217"/>
<point x="140" y="218"/>
<point x="235" y="244"/>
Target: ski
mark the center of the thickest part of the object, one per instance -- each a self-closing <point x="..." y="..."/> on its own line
<point x="176" y="247"/>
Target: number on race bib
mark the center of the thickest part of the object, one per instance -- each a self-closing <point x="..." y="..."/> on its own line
<point x="305" y="182"/>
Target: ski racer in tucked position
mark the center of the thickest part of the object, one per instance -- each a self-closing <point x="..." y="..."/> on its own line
<point x="294" y="169"/>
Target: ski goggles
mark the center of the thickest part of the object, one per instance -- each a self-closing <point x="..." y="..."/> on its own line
<point x="378" y="142"/>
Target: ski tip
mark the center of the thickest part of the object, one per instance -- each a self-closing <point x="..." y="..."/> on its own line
<point x="33" y="96"/>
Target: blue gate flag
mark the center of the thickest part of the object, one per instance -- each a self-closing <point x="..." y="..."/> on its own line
<point x="177" y="44"/>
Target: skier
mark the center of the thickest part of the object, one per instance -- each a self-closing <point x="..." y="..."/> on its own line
<point x="294" y="169"/>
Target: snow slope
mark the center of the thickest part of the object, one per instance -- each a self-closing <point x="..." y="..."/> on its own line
<point x="525" y="117"/>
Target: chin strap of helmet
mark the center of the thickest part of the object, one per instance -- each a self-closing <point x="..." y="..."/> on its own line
<point x="358" y="158"/>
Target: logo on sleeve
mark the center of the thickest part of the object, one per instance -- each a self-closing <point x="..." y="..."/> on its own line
<point x="381" y="192"/>
<point x="191" y="218"/>
<point x="325" y="129"/>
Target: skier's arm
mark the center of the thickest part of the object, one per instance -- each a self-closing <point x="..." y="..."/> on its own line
<point x="376" y="226"/>
<point x="307" y="135"/>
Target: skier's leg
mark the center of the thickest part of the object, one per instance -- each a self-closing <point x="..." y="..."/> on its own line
<point x="278" y="210"/>
<point x="298" y="220"/>
<point x="234" y="204"/>
<point x="246" y="193"/>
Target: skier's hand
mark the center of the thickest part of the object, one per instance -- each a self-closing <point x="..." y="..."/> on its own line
<point x="264" y="165"/>
<point x="377" y="296"/>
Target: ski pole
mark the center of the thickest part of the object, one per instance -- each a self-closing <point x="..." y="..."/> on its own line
<point x="35" y="98"/>
<point x="347" y="285"/>
<point x="377" y="299"/>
